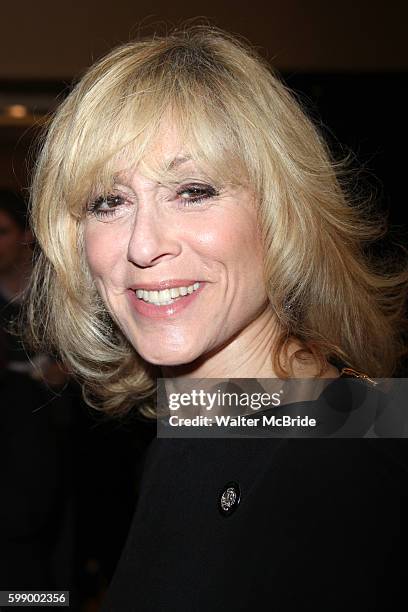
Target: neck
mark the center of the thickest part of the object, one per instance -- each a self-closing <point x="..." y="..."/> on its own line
<point x="248" y="355"/>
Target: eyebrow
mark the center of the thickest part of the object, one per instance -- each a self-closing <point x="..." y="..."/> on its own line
<point x="173" y="165"/>
<point x="178" y="161"/>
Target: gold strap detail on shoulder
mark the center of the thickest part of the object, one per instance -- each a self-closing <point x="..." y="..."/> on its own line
<point x="351" y="372"/>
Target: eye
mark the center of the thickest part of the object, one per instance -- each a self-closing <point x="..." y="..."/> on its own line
<point x="106" y="205"/>
<point x="194" y="195"/>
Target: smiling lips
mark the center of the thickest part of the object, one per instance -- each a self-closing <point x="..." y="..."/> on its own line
<point x="166" y="296"/>
<point x="164" y="299"/>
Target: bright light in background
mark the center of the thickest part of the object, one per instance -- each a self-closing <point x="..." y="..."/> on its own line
<point x="17" y="111"/>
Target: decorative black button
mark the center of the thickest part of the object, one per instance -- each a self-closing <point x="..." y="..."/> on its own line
<point x="229" y="498"/>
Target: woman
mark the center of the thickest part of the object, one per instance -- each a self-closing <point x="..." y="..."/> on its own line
<point x="192" y="225"/>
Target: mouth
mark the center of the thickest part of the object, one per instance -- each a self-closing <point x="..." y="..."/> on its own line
<point x="164" y="297"/>
<point x="164" y="302"/>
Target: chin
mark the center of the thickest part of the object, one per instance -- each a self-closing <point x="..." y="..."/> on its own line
<point x="168" y="357"/>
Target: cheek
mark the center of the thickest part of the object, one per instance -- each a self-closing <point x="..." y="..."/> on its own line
<point x="233" y="241"/>
<point x="101" y="250"/>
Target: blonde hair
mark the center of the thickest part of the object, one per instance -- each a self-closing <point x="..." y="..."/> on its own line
<point x="237" y="119"/>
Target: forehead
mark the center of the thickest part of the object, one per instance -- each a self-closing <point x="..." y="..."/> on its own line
<point x="167" y="153"/>
<point x="167" y="156"/>
<point x="168" y="144"/>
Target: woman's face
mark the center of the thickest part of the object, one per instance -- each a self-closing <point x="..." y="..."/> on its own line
<point x="184" y="238"/>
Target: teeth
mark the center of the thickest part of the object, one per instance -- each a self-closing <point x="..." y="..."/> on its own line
<point x="166" y="296"/>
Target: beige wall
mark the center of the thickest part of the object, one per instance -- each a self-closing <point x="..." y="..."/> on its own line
<point x="54" y="38"/>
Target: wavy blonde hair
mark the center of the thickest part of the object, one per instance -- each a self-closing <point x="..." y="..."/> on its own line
<point x="238" y="119"/>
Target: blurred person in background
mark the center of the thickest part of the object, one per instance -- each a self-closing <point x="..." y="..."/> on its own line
<point x="15" y="269"/>
<point x="36" y="513"/>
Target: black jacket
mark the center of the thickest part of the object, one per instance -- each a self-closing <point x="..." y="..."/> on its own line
<point x="320" y="525"/>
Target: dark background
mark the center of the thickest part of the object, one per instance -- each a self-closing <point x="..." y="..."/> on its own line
<point x="347" y="63"/>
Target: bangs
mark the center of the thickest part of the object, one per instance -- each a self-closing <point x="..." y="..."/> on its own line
<point x="129" y="119"/>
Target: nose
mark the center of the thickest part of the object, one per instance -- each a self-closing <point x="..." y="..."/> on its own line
<point x="153" y="238"/>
